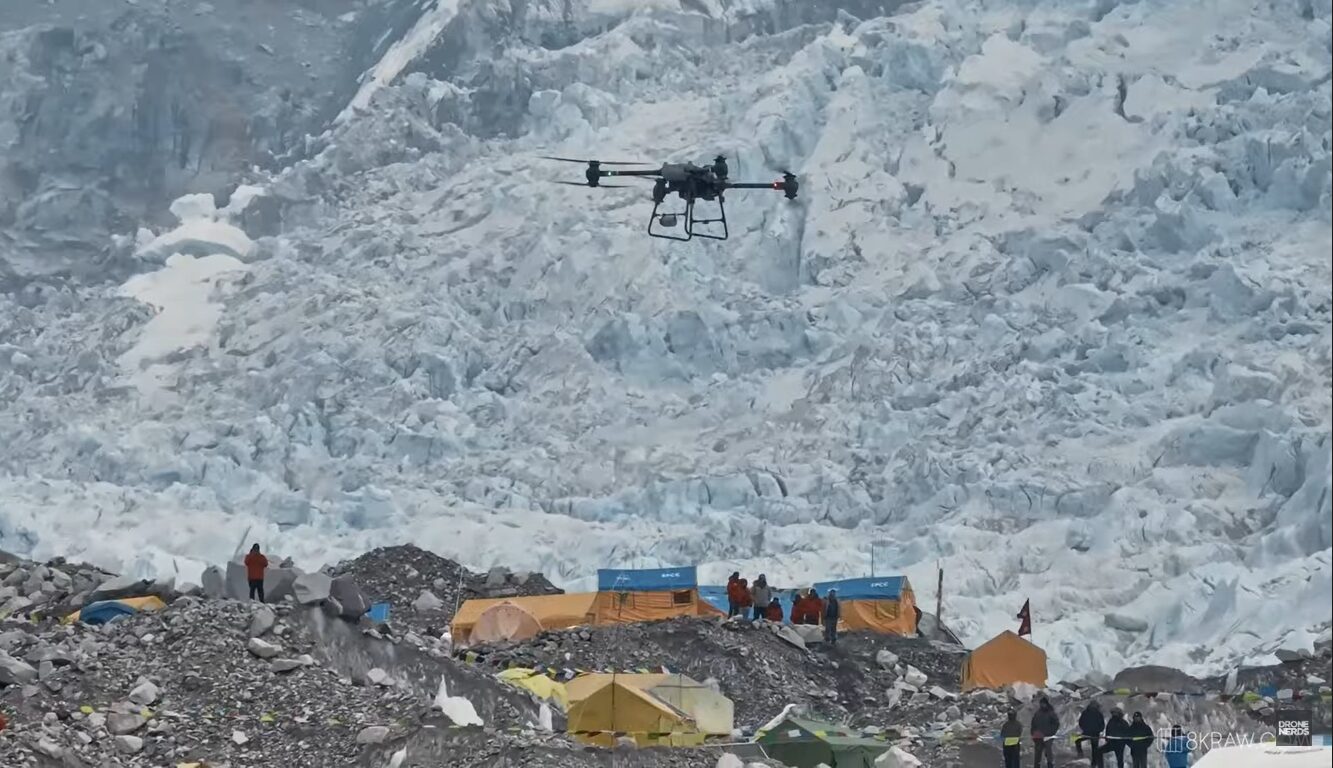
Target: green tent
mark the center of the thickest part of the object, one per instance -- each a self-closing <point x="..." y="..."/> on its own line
<point x="803" y="743"/>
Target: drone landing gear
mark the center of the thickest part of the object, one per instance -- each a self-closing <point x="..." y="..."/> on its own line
<point x="658" y="222"/>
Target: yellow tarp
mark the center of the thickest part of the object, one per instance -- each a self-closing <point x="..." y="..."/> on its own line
<point x="632" y="607"/>
<point x="616" y="707"/>
<point x="539" y="685"/>
<point x="890" y="617"/>
<point x="145" y="603"/>
<point x="1004" y="659"/>
<point x="553" y="611"/>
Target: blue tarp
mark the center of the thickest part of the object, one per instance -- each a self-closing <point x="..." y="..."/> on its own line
<point x="717" y="597"/>
<point x="871" y="588"/>
<point x="105" y="611"/>
<point x="646" y="580"/>
<point x="379" y="613"/>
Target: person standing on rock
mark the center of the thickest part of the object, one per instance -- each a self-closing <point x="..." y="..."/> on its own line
<point x="1011" y="739"/>
<point x="774" y="611"/>
<point x="733" y="594"/>
<point x="1090" y="725"/>
<point x="832" y="611"/>
<point x="255" y="565"/>
<point x="816" y="607"/>
<point x="760" y="596"/>
<point x="1045" y="727"/>
<point x="1117" y="735"/>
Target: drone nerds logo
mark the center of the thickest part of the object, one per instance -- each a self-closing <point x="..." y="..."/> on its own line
<point x="1293" y="728"/>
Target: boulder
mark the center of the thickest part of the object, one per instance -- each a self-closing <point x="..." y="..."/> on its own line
<point x="1288" y="656"/>
<point x="262" y="621"/>
<point x="937" y="692"/>
<point x="129" y="745"/>
<point x="121" y="723"/>
<point x="1155" y="679"/>
<point x="886" y="658"/>
<point x="215" y="587"/>
<point x="237" y="583"/>
<point x="373" y="734"/>
<point x="427" y="602"/>
<point x="497" y="576"/>
<point x="281" y="666"/>
<point x="279" y="583"/>
<point x="121" y="586"/>
<point x="377" y="676"/>
<point x="914" y="676"/>
<point x="15" y="671"/>
<point x="345" y="590"/>
<point x="312" y="588"/>
<point x="145" y="693"/>
<point x="262" y="648"/>
<point x="790" y="635"/>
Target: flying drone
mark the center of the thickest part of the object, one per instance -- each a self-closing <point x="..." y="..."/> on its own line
<point x="691" y="182"/>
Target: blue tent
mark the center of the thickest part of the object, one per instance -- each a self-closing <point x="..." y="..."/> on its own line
<point x="646" y="580"/>
<point x="717" y="597"/>
<point x="870" y="588"/>
<point x="105" y="611"/>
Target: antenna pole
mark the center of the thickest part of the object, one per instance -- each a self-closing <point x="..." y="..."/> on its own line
<point x="939" y="595"/>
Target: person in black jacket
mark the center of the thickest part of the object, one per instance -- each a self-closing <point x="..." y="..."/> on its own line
<point x="1011" y="735"/>
<point x="1045" y="728"/>
<point x="1117" y="735"/>
<point x="832" y="611"/>
<point x="1090" y="725"/>
<point x="1140" y="738"/>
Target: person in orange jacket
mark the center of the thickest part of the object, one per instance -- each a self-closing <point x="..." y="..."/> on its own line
<point x="255" y="565"/>
<point x="743" y="599"/>
<point x="816" y="607"/>
<point x="774" y="611"/>
<point x="735" y="594"/>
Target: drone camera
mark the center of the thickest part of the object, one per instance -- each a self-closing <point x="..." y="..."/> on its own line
<point x="667" y="219"/>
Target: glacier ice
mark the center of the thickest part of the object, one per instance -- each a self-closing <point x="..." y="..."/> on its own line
<point x="1052" y="314"/>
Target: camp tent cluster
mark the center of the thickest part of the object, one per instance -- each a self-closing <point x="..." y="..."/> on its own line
<point x="883" y="604"/>
<point x="622" y="597"/>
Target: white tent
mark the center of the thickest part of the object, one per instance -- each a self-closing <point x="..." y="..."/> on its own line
<point x="1266" y="756"/>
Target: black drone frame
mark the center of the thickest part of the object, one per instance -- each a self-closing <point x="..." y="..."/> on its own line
<point x="691" y="182"/>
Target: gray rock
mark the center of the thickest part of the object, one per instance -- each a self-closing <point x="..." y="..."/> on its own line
<point x="373" y="734"/>
<point x="129" y="745"/>
<point x="333" y="609"/>
<point x="344" y="589"/>
<point x="215" y="587"/>
<point x="145" y="693"/>
<point x="61" y="579"/>
<point x="121" y="586"/>
<point x="262" y="621"/>
<point x="281" y="666"/>
<point x="15" y="671"/>
<point x="121" y="723"/>
<point x="497" y="576"/>
<point x="377" y="676"/>
<point x="279" y="583"/>
<point x="237" y="583"/>
<point x="886" y="658"/>
<point x="1288" y="656"/>
<point x="312" y="588"/>
<point x="914" y="676"/>
<point x="262" y="648"/>
<point x="427" y="602"/>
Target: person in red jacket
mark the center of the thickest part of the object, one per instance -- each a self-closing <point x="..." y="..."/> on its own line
<point x="733" y="594"/>
<point x="743" y="599"/>
<point x="255" y="565"/>
<point x="774" y="611"/>
<point x="816" y="607"/>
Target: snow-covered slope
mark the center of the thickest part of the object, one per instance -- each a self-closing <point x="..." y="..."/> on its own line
<point x="1053" y="312"/>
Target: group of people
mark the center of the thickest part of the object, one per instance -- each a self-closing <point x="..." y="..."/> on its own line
<point x="1116" y="736"/>
<point x="760" y="601"/>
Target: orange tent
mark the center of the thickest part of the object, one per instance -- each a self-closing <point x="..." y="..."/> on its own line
<point x="1004" y="659"/>
<point x="625" y="596"/>
<point x="550" y="612"/>
<point x="505" y="621"/>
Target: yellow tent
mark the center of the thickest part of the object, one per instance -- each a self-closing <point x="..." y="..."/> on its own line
<point x="505" y="621"/>
<point x="709" y="711"/>
<point x="105" y="610"/>
<point x="610" y="706"/>
<point x="540" y="685"/>
<point x="552" y="611"/>
<point x="884" y="604"/>
<point x="1004" y="659"/>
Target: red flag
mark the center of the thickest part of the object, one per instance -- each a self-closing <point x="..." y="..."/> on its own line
<point x="1026" y="615"/>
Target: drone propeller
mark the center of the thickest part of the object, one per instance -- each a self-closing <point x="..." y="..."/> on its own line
<point x="592" y="162"/>
<point x="586" y="184"/>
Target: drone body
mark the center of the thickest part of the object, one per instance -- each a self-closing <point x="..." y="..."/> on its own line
<point x="688" y="181"/>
